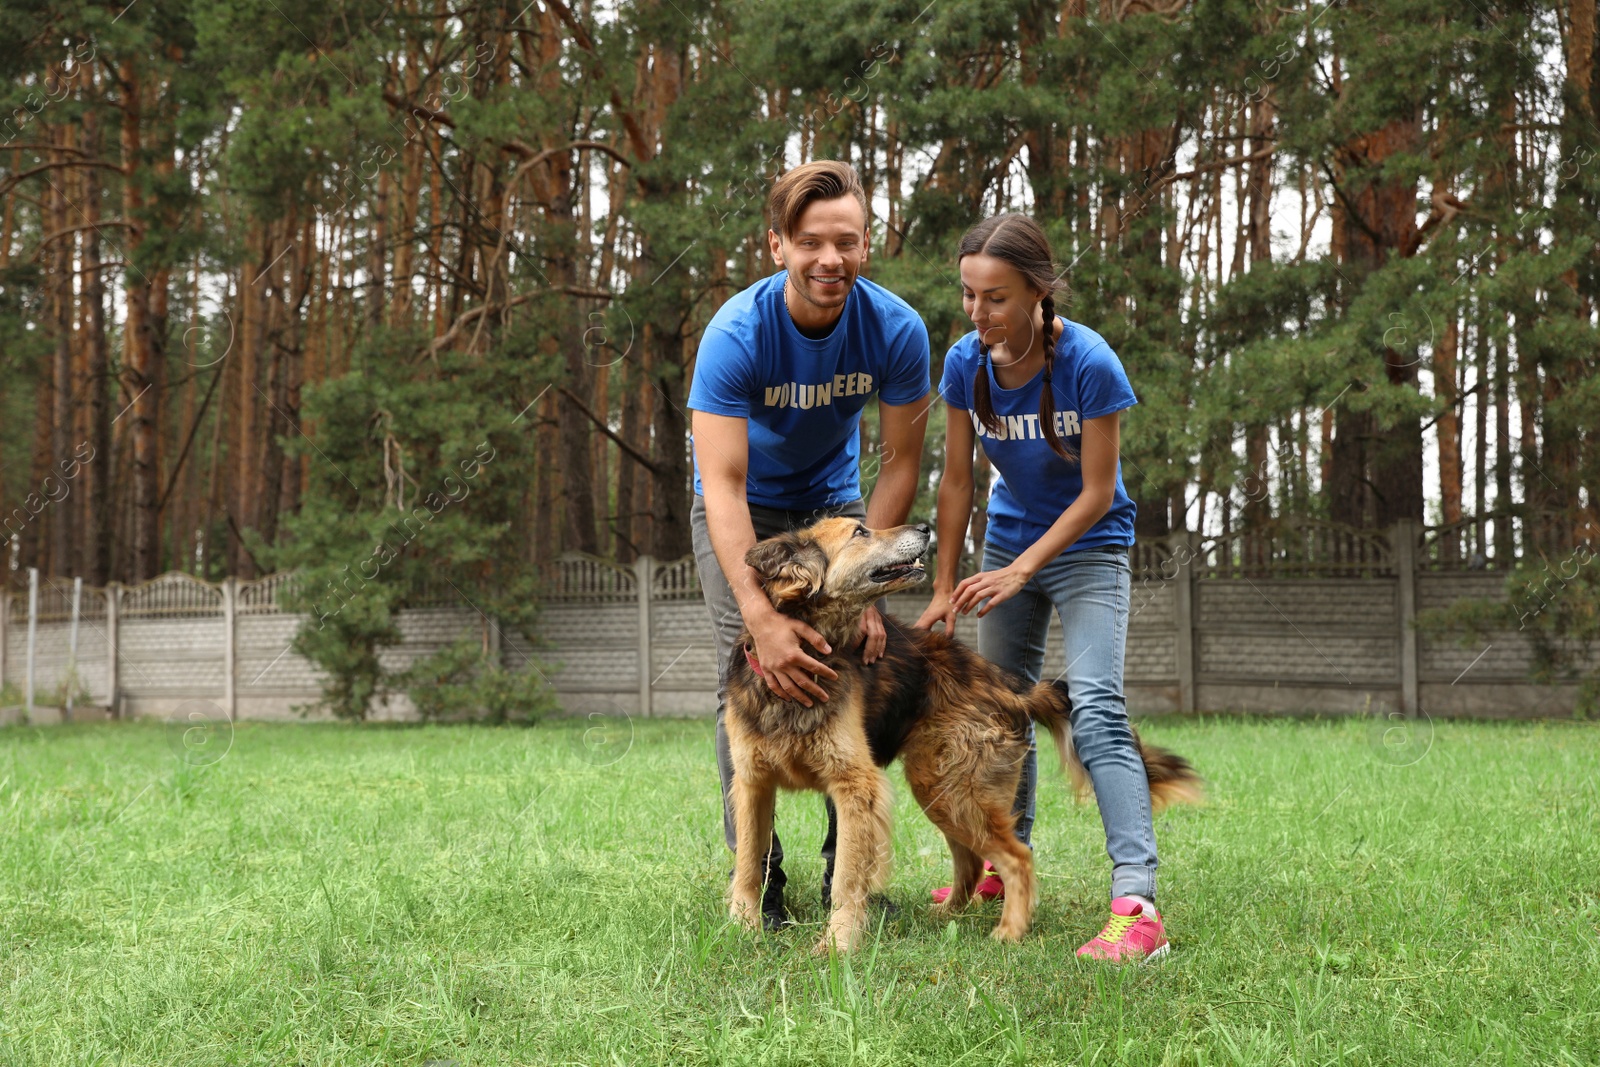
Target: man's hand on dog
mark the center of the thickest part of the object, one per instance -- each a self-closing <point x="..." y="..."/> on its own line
<point x="789" y="671"/>
<point x="874" y="637"/>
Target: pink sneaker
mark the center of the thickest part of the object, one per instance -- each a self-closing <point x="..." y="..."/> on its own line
<point x="990" y="888"/>
<point x="1130" y="935"/>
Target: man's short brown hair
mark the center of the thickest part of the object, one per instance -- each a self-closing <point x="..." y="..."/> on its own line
<point x="823" y="179"/>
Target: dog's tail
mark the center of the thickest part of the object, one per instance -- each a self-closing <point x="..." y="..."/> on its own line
<point x="1173" y="780"/>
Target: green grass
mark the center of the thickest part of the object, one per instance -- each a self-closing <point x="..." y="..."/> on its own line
<point x="478" y="896"/>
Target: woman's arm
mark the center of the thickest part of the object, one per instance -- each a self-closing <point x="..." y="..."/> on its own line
<point x="1100" y="444"/>
<point x="955" y="512"/>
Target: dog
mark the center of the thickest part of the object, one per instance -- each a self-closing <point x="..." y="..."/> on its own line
<point x="957" y="722"/>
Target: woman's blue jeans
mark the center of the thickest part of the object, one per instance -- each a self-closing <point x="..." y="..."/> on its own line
<point x="1089" y="591"/>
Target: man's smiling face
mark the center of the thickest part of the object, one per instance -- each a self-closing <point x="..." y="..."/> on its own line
<point x="824" y="254"/>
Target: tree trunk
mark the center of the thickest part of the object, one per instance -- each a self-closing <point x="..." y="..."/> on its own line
<point x="246" y="451"/>
<point x="580" y="531"/>
<point x="670" y="535"/>
<point x="1257" y="234"/>
<point x="94" y="559"/>
<point x="1449" y="428"/>
<point x="142" y="366"/>
<point x="1480" y="404"/>
<point x="1375" y="219"/>
<point x="1504" y="548"/>
<point x="58" y="518"/>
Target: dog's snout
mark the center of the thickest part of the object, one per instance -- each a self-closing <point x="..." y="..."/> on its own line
<point x="924" y="529"/>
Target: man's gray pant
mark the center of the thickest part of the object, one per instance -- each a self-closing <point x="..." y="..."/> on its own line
<point x="728" y="624"/>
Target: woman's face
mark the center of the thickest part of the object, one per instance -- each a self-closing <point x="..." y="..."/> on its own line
<point x="1003" y="306"/>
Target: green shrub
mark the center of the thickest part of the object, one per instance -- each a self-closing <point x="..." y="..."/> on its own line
<point x="418" y="474"/>
<point x="463" y="682"/>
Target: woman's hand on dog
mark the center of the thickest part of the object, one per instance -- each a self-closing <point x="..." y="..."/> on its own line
<point x="994" y="586"/>
<point x="939" y="609"/>
<point x="789" y="671"/>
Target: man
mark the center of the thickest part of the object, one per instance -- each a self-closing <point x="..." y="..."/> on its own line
<point x="781" y="377"/>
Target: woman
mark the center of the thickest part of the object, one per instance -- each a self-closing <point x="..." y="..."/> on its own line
<point x="1045" y="395"/>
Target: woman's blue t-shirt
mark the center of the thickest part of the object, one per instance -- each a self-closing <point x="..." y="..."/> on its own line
<point x="1036" y="485"/>
<point x="803" y="397"/>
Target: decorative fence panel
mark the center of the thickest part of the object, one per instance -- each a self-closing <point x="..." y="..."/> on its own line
<point x="1300" y="617"/>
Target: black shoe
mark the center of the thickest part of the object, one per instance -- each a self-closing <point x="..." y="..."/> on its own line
<point x="774" y="916"/>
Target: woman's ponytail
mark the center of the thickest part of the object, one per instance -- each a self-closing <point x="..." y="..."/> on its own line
<point x="1047" y="395"/>
<point x="982" y="403"/>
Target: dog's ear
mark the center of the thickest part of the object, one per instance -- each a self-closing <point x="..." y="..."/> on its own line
<point x="790" y="569"/>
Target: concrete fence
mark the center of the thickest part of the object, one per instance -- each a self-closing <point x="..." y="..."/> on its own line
<point x="1307" y="617"/>
<point x="1310" y="617"/>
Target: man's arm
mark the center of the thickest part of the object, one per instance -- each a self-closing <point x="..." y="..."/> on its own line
<point x="902" y="430"/>
<point x="722" y="449"/>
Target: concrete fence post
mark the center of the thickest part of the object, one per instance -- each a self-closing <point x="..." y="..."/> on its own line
<point x="113" y="691"/>
<point x="230" y="627"/>
<point x="644" y="574"/>
<point x="33" y="635"/>
<point x="5" y="619"/>
<point x="1403" y="544"/>
<point x="496" y="650"/>
<point x="72" y="645"/>
<point x="1184" y="546"/>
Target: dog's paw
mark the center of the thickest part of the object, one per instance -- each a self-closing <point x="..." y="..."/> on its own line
<point x="837" y="941"/>
<point x="828" y="946"/>
<point x="746" y="913"/>
<point x="1012" y="934"/>
<point x="945" y="911"/>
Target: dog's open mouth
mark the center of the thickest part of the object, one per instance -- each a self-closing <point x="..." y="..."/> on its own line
<point x="899" y="572"/>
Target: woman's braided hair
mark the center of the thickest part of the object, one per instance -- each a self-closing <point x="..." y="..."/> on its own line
<point x="1018" y="240"/>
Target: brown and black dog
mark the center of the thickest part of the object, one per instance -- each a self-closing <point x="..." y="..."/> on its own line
<point x="956" y="721"/>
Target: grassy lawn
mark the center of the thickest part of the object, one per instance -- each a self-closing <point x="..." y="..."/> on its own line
<point x="476" y="896"/>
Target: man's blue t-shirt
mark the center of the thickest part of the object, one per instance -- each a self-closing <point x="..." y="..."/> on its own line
<point x="1036" y="485"/>
<point x="804" y="397"/>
